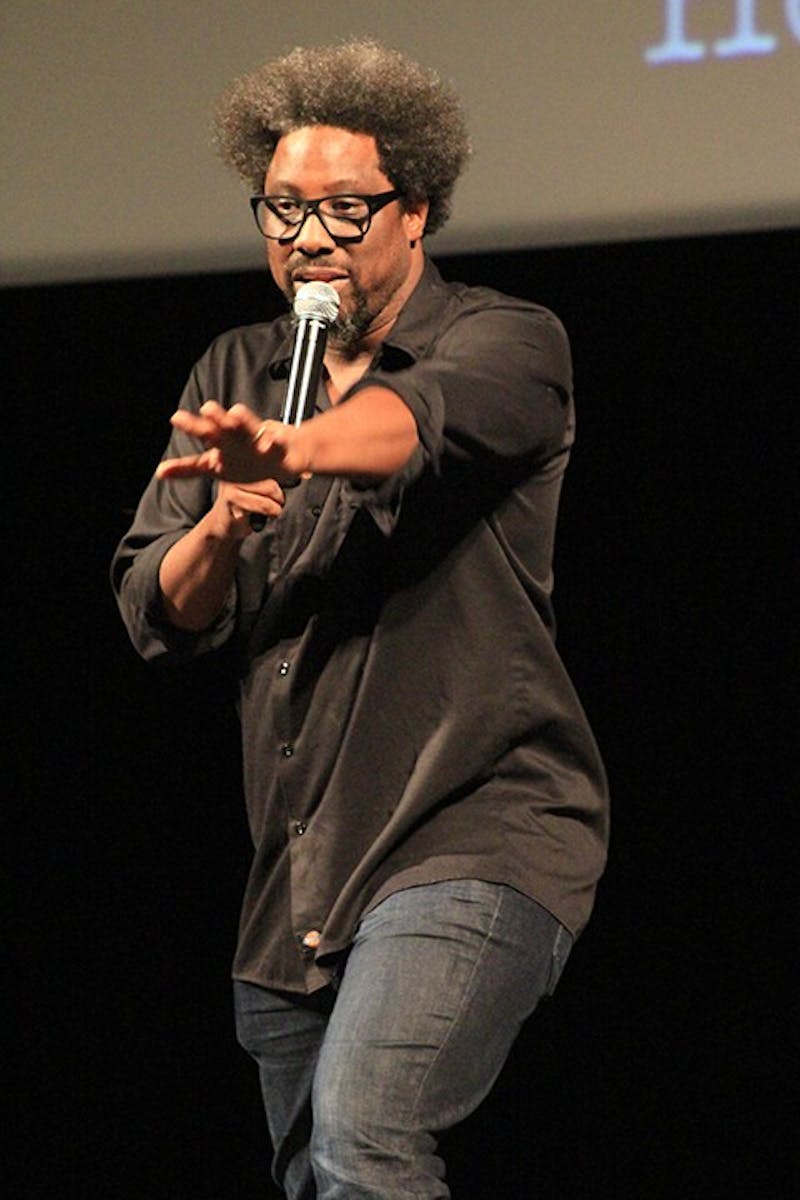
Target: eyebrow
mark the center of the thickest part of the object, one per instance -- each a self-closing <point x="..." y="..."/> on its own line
<point x="340" y="187"/>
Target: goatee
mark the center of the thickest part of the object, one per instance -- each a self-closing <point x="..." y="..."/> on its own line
<point x="348" y="330"/>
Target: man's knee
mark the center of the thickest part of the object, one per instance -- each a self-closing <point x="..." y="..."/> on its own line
<point x="360" y="1148"/>
<point x="346" y="1127"/>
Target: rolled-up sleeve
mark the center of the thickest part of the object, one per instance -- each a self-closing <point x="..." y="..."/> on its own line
<point x="166" y="512"/>
<point x="495" y="384"/>
<point x="505" y="377"/>
<point x="135" y="580"/>
<point x="497" y="381"/>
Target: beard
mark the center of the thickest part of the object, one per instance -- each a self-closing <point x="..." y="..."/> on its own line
<point x="348" y="329"/>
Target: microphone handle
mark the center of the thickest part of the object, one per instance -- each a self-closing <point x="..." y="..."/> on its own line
<point x="305" y="370"/>
<point x="304" y="375"/>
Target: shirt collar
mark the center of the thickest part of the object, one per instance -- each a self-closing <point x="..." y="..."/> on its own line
<point x="416" y="325"/>
<point x="284" y="343"/>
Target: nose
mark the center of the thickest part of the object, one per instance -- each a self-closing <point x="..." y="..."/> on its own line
<point x="313" y="237"/>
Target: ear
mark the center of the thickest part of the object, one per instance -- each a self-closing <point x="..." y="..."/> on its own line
<point x="414" y="217"/>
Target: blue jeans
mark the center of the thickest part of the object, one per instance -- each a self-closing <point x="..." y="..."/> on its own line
<point x="359" y="1078"/>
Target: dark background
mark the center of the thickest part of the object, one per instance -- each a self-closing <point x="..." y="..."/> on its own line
<point x="663" y="1065"/>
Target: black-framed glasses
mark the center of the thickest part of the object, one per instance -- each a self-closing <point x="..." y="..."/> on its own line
<point x="345" y="218"/>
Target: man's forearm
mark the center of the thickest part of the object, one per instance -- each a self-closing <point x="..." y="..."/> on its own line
<point x="196" y="576"/>
<point x="372" y="434"/>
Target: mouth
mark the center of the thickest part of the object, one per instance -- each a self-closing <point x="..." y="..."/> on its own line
<point x="318" y="274"/>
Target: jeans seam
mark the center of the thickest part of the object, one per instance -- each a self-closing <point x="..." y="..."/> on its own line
<point x="457" y="1016"/>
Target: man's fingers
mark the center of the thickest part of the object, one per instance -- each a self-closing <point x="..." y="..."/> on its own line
<point x="239" y="416"/>
<point x="192" y="465"/>
<point x="213" y="422"/>
<point x="212" y="408"/>
<point x="241" y="447"/>
<point x="195" y="425"/>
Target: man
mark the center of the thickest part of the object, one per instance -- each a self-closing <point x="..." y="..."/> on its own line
<point x="426" y="801"/>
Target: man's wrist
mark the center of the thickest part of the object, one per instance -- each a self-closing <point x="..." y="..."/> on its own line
<point x="222" y="528"/>
<point x="298" y="451"/>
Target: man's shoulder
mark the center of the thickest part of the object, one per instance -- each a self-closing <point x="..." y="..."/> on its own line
<point x="441" y="310"/>
<point x="247" y="348"/>
<point x="466" y="298"/>
<point x="242" y="356"/>
<point x="261" y="336"/>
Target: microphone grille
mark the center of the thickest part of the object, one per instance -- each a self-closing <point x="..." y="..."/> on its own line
<point x="316" y="301"/>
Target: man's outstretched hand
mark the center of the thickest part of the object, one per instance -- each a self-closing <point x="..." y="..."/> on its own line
<point x="240" y="447"/>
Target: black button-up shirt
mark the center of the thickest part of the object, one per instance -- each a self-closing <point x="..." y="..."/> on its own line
<point x="406" y="718"/>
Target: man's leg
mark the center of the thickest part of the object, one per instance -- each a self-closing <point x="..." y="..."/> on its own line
<point x="434" y="992"/>
<point x="284" y="1034"/>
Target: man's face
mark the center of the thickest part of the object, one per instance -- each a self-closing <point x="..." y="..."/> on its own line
<point x="374" y="277"/>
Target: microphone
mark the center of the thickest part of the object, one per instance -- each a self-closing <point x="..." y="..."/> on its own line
<point x="315" y="307"/>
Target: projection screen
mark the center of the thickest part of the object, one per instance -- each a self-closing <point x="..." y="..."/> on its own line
<point x="591" y="120"/>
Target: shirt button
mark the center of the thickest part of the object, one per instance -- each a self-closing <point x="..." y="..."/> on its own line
<point x="287" y="749"/>
<point x="283" y="668"/>
<point x="316" y="510"/>
<point x="312" y="939"/>
<point x="300" y="827"/>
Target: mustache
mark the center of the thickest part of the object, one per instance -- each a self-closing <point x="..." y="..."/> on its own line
<point x="302" y="263"/>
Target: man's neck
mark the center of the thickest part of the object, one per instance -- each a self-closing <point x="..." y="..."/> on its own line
<point x="344" y="370"/>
